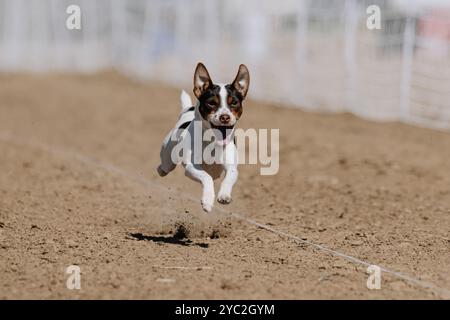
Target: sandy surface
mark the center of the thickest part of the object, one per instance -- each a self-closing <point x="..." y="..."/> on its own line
<point x="78" y="186"/>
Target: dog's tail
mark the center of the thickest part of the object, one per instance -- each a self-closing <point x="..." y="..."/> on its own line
<point x="186" y="101"/>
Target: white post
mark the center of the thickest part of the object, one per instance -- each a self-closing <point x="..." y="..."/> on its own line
<point x="407" y="63"/>
<point x="182" y="14"/>
<point x="90" y="58"/>
<point x="118" y="36"/>
<point x="16" y="20"/>
<point x="60" y="53"/>
<point x="212" y="33"/>
<point x="3" y="15"/>
<point x="351" y="23"/>
<point x="183" y="47"/>
<point x="40" y="49"/>
<point x="300" y="49"/>
<point x="149" y="37"/>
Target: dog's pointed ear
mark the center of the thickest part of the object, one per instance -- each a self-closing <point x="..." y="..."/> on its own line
<point x="242" y="80"/>
<point x="202" y="80"/>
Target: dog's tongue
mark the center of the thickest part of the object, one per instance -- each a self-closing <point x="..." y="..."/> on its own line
<point x="224" y="142"/>
<point x="225" y="138"/>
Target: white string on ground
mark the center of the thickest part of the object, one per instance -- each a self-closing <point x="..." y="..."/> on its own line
<point x="110" y="168"/>
<point x="183" y="267"/>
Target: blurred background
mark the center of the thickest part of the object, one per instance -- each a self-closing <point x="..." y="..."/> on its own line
<point x="83" y="114"/>
<point x="317" y="55"/>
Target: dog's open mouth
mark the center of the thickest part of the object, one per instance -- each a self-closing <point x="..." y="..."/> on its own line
<point x="225" y="131"/>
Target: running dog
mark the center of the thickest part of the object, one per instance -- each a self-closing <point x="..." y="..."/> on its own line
<point x="217" y="110"/>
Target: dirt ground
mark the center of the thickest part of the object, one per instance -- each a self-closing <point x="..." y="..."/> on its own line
<point x="78" y="186"/>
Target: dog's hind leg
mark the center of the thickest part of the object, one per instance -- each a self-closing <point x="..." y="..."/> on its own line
<point x="167" y="163"/>
<point x="197" y="174"/>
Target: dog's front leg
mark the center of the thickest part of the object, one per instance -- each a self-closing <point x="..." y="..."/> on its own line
<point x="231" y="175"/>
<point x="196" y="173"/>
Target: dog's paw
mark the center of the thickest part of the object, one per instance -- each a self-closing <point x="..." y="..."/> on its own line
<point x="224" y="198"/>
<point x="161" y="172"/>
<point x="207" y="207"/>
<point x="208" y="200"/>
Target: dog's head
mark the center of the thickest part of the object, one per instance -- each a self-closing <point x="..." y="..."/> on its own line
<point x="220" y="105"/>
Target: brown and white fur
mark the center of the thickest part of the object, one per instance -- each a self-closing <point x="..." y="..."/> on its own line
<point x="219" y="107"/>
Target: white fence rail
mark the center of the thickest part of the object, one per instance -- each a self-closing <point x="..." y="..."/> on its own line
<point x="313" y="54"/>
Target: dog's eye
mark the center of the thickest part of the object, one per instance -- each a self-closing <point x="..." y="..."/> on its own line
<point x="211" y="105"/>
<point x="234" y="104"/>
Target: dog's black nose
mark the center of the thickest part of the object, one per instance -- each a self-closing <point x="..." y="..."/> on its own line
<point x="224" y="118"/>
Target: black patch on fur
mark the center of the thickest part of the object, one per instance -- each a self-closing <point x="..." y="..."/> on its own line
<point x="235" y="99"/>
<point x="184" y="125"/>
<point x="209" y="101"/>
<point x="190" y="109"/>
